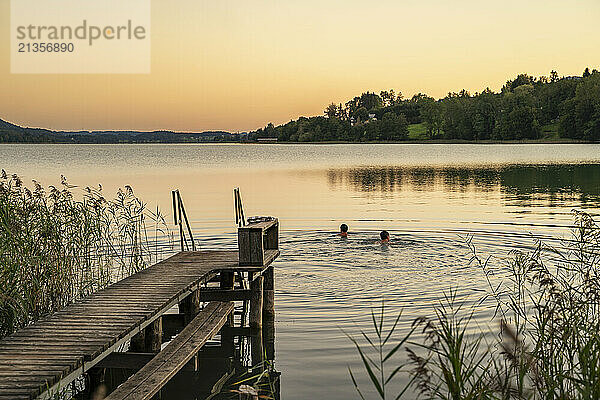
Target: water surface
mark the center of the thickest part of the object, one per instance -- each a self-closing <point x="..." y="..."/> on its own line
<point x="431" y="198"/>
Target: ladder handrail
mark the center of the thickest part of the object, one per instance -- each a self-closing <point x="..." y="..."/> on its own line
<point x="180" y="217"/>
<point x="240" y="219"/>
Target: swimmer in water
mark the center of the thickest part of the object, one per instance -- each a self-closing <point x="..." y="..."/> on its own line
<point x="343" y="231"/>
<point x="384" y="238"/>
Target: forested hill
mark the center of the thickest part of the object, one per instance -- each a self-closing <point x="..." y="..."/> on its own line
<point x="527" y="108"/>
<point x="10" y="133"/>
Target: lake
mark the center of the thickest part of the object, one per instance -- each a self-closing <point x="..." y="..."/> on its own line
<point x="430" y="197"/>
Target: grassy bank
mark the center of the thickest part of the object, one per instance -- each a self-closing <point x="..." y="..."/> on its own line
<point x="58" y="245"/>
<point x="547" y="345"/>
<point x="417" y="132"/>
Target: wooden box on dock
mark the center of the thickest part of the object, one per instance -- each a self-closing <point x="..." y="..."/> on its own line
<point x="258" y="243"/>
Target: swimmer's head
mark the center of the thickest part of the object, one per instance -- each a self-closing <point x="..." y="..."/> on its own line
<point x="384" y="235"/>
<point x="344" y="228"/>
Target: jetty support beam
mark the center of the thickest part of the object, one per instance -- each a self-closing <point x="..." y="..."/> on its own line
<point x="190" y="306"/>
<point x="149" y="340"/>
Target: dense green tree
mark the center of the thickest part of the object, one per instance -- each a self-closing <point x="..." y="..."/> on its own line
<point x="580" y="115"/>
<point x="362" y="114"/>
<point x="520" y="80"/>
<point x="484" y="111"/>
<point x="392" y="127"/>
<point x="518" y="115"/>
<point x="432" y="116"/>
<point x="368" y="101"/>
<point x="270" y="131"/>
<point x="518" y="112"/>
<point x="551" y="97"/>
<point x="331" y="111"/>
<point x="458" y="121"/>
<point x="586" y="73"/>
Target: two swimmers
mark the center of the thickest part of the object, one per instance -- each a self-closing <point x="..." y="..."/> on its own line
<point x="384" y="235"/>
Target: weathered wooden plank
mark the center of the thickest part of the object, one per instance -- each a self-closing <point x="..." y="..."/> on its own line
<point x="251" y="247"/>
<point x="14" y="396"/>
<point x="68" y="350"/>
<point x="150" y="379"/>
<point x="33" y="381"/>
<point x="148" y="305"/>
<point x="123" y="300"/>
<point x="91" y="319"/>
<point x="43" y="347"/>
<point x="57" y="341"/>
<point x="34" y="356"/>
<point x="80" y="322"/>
<point x="261" y="225"/>
<point x="70" y="331"/>
<point x="18" y="393"/>
<point x="94" y="313"/>
<point x="20" y="370"/>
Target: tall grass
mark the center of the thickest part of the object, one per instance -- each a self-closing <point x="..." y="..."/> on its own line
<point x="548" y="342"/>
<point x="63" y="243"/>
<point x="384" y="346"/>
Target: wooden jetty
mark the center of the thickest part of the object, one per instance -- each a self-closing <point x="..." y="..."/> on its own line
<point x="40" y="360"/>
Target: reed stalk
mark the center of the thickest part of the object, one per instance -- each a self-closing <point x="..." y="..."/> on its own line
<point x="60" y="244"/>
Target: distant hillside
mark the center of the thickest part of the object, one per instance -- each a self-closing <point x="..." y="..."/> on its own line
<point x="11" y="133"/>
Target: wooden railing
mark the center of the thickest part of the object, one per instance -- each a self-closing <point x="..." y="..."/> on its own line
<point x="180" y="218"/>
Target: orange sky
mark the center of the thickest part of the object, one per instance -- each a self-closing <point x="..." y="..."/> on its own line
<point x="238" y="65"/>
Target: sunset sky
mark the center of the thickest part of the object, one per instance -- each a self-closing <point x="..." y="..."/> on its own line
<point x="237" y="65"/>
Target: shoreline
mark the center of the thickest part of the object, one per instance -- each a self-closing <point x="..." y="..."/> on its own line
<point x="415" y="141"/>
<point x="447" y="141"/>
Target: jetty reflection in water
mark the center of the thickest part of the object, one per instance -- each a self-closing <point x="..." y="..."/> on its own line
<point x="238" y="356"/>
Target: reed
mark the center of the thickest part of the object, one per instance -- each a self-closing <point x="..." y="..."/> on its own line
<point x="63" y="243"/>
<point x="548" y="342"/>
<point x="377" y="355"/>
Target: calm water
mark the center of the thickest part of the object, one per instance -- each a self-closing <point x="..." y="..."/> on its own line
<point x="430" y="197"/>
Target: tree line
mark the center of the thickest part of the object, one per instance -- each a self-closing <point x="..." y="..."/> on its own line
<point x="526" y="108"/>
<point x="10" y="133"/>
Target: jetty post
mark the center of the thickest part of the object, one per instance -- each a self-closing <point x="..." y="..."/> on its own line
<point x="258" y="243"/>
<point x="191" y="306"/>
<point x="149" y="339"/>
<point x="268" y="313"/>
